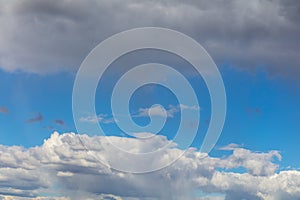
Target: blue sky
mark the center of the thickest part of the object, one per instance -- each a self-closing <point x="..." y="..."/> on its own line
<point x="261" y="112"/>
<point x="255" y="45"/>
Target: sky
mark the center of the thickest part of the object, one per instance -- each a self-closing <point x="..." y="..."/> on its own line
<point x="254" y="44"/>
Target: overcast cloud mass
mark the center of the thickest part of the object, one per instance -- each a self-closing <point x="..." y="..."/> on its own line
<point x="50" y="36"/>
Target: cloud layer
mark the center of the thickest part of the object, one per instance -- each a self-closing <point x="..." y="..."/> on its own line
<point x="61" y="167"/>
<point x="41" y="37"/>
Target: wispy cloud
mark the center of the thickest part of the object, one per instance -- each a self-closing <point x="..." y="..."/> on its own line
<point x="38" y="118"/>
<point x="155" y="110"/>
<point x="64" y="174"/>
<point x="51" y="128"/>
<point x="59" y="122"/>
<point x="101" y="118"/>
<point x="158" y="110"/>
<point x="254" y="110"/>
<point x="4" y="110"/>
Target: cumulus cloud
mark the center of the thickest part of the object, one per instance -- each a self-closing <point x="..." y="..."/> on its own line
<point x="41" y="37"/>
<point x="63" y="160"/>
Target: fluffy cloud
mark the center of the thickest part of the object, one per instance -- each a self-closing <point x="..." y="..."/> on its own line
<point x="63" y="161"/>
<point x="40" y="36"/>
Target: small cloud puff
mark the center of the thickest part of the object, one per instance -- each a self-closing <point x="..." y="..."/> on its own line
<point x="4" y="110"/>
<point x="38" y="118"/>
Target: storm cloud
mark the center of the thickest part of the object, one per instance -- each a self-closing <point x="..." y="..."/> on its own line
<point x="51" y="36"/>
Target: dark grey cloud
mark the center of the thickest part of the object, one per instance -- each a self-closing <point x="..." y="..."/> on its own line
<point x="3" y="110"/>
<point x="51" y="128"/>
<point x="59" y="122"/>
<point x="49" y="36"/>
<point x="254" y="110"/>
<point x="38" y="118"/>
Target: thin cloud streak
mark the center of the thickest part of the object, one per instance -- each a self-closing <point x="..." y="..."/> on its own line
<point x="38" y="118"/>
<point x="101" y="118"/>
<point x="157" y="110"/>
<point x="59" y="122"/>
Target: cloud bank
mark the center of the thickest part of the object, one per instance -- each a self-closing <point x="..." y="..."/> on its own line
<point x="62" y="169"/>
<point x="41" y="37"/>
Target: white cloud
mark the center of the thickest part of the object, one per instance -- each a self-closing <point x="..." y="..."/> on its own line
<point x="63" y="161"/>
<point x="102" y="118"/>
<point x="64" y="174"/>
<point x="185" y="107"/>
<point x="157" y="110"/>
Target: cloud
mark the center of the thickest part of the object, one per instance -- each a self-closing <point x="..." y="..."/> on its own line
<point x="253" y="110"/>
<point x="49" y="127"/>
<point x="63" y="161"/>
<point x="43" y="37"/>
<point x="185" y="107"/>
<point x="256" y="164"/>
<point x="64" y="174"/>
<point x="38" y="118"/>
<point x="6" y="197"/>
<point x="3" y="110"/>
<point x="155" y="110"/>
<point x="101" y="118"/>
<point x="59" y="122"/>
<point x="158" y="110"/>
